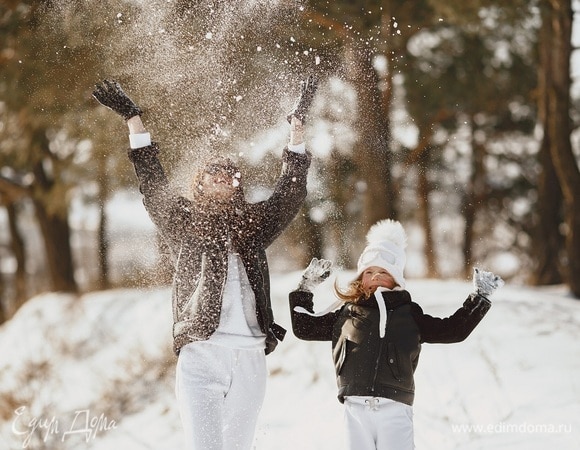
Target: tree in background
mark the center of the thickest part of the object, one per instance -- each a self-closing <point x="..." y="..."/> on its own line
<point x="365" y="41"/>
<point x="474" y="78"/>
<point x="548" y="248"/>
<point x="556" y="51"/>
<point x="49" y="64"/>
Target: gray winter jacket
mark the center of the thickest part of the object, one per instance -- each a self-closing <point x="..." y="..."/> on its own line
<point x="200" y="236"/>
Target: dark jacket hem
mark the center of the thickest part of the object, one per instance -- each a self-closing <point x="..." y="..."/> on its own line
<point x="396" y="394"/>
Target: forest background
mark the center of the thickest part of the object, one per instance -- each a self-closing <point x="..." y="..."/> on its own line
<point x="458" y="118"/>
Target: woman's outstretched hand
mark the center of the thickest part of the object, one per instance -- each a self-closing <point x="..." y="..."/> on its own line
<point x="110" y="94"/>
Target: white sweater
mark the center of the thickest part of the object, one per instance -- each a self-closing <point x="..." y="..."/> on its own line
<point x="238" y="327"/>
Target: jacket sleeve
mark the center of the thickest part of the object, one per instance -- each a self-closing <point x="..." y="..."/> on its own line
<point x="307" y="327"/>
<point x="164" y="207"/>
<point x="454" y="328"/>
<point x="276" y="213"/>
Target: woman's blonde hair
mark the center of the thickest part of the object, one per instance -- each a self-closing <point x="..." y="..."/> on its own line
<point x="354" y="292"/>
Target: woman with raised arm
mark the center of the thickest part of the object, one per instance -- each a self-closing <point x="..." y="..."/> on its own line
<point x="223" y="324"/>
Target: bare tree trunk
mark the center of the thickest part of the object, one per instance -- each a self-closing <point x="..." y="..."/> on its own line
<point x="371" y="152"/>
<point x="3" y="298"/>
<point x="53" y="222"/>
<point x="423" y="192"/>
<point x="341" y="177"/>
<point x="311" y="236"/>
<point x="56" y="234"/>
<point x="103" y="244"/>
<point x="420" y="157"/>
<point x="474" y="195"/>
<point x="548" y="242"/>
<point x="559" y="13"/>
<point x="469" y="220"/>
<point x="19" y="287"/>
<point x="103" y="282"/>
<point x="18" y="251"/>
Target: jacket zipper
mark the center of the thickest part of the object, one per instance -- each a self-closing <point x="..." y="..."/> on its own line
<point x="380" y="352"/>
<point x="377" y="366"/>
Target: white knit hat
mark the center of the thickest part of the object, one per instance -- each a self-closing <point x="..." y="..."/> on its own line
<point x="386" y="242"/>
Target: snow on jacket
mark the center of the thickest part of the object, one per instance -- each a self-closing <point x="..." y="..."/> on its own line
<point x="200" y="236"/>
<point x="365" y="363"/>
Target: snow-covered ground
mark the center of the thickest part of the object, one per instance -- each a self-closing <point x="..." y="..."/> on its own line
<point x="97" y="372"/>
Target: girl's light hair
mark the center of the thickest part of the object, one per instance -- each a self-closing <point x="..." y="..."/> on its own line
<point x="354" y="292"/>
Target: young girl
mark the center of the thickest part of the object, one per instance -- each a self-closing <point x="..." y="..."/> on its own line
<point x="377" y="334"/>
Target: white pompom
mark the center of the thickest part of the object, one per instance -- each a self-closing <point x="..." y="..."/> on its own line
<point x="387" y="230"/>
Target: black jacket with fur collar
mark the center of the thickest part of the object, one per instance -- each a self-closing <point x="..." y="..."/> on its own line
<point x="201" y="234"/>
<point x="365" y="363"/>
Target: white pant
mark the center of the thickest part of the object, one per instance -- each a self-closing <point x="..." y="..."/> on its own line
<point x="220" y="392"/>
<point x="376" y="423"/>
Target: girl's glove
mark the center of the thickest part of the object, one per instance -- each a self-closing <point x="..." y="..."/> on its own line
<point x="317" y="271"/>
<point x="109" y="94"/>
<point x="308" y="89"/>
<point x="485" y="283"/>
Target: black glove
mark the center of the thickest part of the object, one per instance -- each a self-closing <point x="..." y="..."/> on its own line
<point x="109" y="94"/>
<point x="308" y="89"/>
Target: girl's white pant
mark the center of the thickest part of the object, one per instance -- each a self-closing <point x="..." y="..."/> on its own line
<point x="376" y="423"/>
<point x="220" y="392"/>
